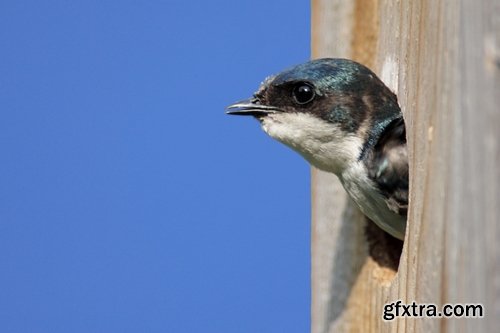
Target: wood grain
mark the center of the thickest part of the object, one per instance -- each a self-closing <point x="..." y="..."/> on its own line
<point x="442" y="58"/>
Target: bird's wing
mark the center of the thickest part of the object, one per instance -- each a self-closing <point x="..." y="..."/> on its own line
<point x="388" y="167"/>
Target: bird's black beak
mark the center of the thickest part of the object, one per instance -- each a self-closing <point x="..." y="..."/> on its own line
<point x="250" y="107"/>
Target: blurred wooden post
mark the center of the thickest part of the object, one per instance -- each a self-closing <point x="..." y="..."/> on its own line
<point x="442" y="58"/>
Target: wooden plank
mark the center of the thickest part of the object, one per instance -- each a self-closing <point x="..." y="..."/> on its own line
<point x="442" y="58"/>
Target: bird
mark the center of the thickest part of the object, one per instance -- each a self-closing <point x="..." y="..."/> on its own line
<point x="344" y="120"/>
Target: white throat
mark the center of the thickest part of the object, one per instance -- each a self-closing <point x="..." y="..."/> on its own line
<point x="325" y="145"/>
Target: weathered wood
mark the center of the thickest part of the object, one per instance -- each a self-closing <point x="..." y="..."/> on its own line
<point x="442" y="58"/>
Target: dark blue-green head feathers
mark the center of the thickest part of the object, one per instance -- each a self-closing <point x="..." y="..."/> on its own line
<point x="340" y="91"/>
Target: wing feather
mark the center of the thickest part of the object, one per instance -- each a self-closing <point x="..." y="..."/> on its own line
<point x="388" y="166"/>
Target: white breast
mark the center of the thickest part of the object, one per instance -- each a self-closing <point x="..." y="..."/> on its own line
<point x="362" y="190"/>
<point x="326" y="146"/>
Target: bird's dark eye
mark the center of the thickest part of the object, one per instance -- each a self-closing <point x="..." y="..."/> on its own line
<point x="303" y="93"/>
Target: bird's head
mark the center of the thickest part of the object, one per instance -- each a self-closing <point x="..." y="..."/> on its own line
<point x="328" y="110"/>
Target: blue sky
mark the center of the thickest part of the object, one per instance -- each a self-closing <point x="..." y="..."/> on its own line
<point x="129" y="202"/>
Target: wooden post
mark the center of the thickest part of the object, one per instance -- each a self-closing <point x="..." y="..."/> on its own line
<point x="442" y="58"/>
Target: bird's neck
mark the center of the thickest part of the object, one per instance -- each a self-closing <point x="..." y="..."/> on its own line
<point x="325" y="145"/>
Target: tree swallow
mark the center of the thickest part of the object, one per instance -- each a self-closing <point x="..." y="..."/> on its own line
<point x="341" y="118"/>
